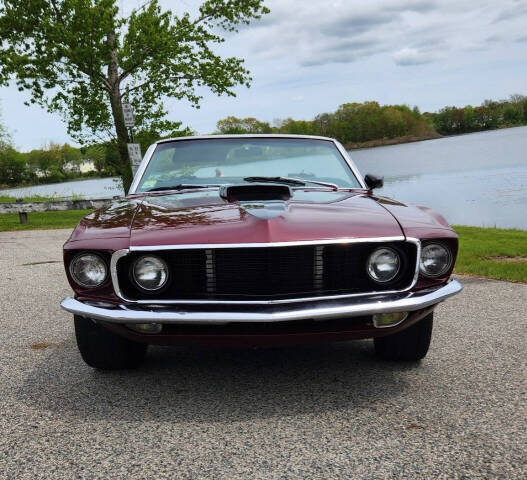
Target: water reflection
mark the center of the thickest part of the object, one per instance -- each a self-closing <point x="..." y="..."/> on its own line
<point x="484" y="198"/>
<point x="152" y="216"/>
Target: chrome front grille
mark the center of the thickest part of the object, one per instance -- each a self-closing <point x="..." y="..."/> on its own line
<point x="268" y="273"/>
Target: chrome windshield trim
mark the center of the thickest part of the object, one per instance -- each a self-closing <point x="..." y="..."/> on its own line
<point x="351" y="163"/>
<point x="142" y="167"/>
<point x="121" y="253"/>
<point x="151" y="149"/>
<point x="384" y="303"/>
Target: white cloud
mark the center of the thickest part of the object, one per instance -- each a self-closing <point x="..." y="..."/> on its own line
<point x="308" y="57"/>
<point x="412" y="56"/>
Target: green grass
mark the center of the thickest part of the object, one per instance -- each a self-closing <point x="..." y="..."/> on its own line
<point x="40" y="198"/>
<point x="32" y="198"/>
<point x="480" y="247"/>
<point x="42" y="220"/>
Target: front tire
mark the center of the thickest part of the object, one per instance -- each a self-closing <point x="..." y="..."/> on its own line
<point x="408" y="345"/>
<point x="102" y="349"/>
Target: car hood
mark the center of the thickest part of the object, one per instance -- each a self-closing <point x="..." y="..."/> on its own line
<point x="203" y="217"/>
<point x="111" y="221"/>
<point x="417" y="221"/>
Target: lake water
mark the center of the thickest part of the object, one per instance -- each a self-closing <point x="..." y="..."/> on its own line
<point x="476" y="179"/>
<point x="93" y="188"/>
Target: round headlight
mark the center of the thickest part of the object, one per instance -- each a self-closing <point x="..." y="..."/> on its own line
<point x="383" y="265"/>
<point x="150" y="273"/>
<point x="88" y="270"/>
<point x="436" y="260"/>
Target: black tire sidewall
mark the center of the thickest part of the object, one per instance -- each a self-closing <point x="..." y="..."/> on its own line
<point x="102" y="349"/>
<point x="410" y="344"/>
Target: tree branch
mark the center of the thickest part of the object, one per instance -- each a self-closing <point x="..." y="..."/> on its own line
<point x="136" y="64"/>
<point x="144" y="5"/>
<point x="145" y="83"/>
<point x="201" y="19"/>
<point x="57" y="11"/>
<point x="92" y="76"/>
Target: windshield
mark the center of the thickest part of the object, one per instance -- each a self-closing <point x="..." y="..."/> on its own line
<point x="231" y="160"/>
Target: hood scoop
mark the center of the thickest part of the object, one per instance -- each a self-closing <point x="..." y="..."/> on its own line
<point x="255" y="192"/>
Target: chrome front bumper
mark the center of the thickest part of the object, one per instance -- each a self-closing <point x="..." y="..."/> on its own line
<point x="322" y="310"/>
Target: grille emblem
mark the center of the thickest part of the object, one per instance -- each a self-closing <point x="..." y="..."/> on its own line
<point x="318" y="267"/>
<point x="210" y="271"/>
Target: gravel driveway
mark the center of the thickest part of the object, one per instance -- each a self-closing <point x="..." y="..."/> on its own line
<point x="330" y="411"/>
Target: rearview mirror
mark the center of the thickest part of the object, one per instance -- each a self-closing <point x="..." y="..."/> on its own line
<point x="373" y="182"/>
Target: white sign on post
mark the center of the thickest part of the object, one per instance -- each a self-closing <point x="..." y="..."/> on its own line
<point x="134" y="153"/>
<point x="128" y="114"/>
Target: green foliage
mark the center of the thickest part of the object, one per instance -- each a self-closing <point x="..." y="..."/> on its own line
<point x="491" y="114"/>
<point x="233" y="125"/>
<point x="13" y="165"/>
<point x="354" y="124"/>
<point x="295" y="127"/>
<point x="14" y="168"/>
<point x="51" y="164"/>
<point x="5" y="137"/>
<point x="351" y="123"/>
<point x="492" y="252"/>
<point x="145" y="138"/>
<point x="96" y="153"/>
<point x="81" y="58"/>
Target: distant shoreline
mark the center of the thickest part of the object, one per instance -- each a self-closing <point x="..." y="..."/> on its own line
<point x="384" y="142"/>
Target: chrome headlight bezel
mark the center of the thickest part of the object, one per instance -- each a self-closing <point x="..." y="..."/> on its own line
<point x="376" y="253"/>
<point x="75" y="274"/>
<point x="154" y="259"/>
<point x="447" y="266"/>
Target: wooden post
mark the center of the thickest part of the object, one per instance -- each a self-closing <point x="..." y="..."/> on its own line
<point x="22" y="215"/>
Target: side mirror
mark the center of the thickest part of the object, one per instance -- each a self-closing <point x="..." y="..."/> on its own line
<point x="373" y="182"/>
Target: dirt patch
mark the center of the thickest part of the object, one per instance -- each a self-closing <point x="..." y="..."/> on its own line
<point x="42" y="345"/>
<point x="414" y="426"/>
<point x="40" y="263"/>
<point x="508" y="259"/>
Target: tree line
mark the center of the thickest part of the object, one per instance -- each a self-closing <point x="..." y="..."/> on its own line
<point x="50" y="164"/>
<point x="489" y="115"/>
<point x="354" y="124"/>
<point x="54" y="163"/>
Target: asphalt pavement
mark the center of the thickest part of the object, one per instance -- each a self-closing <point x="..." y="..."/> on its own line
<point x="328" y="411"/>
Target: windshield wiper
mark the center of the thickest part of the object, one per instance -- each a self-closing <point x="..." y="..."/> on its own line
<point x="180" y="186"/>
<point x="290" y="181"/>
<point x="286" y="180"/>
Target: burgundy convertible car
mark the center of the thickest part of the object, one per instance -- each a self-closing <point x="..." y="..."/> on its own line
<point x="255" y="240"/>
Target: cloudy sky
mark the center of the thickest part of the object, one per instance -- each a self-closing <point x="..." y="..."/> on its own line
<point x="309" y="57"/>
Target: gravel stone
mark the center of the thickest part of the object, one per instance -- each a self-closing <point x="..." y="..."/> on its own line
<point x="326" y="411"/>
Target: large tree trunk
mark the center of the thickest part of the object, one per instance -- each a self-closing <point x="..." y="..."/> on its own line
<point x="117" y="113"/>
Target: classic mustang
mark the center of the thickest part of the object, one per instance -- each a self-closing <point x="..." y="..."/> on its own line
<point x="255" y="240"/>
